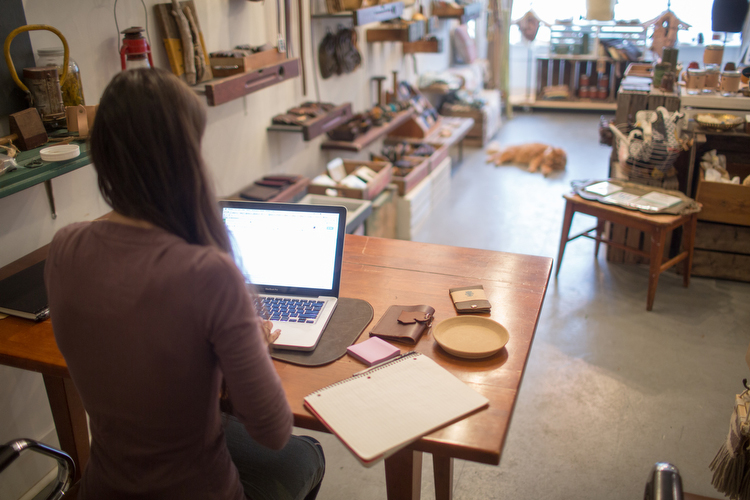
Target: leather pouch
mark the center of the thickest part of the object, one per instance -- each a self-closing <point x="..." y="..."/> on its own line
<point x="470" y="299"/>
<point x="404" y="323"/>
<point x="260" y="193"/>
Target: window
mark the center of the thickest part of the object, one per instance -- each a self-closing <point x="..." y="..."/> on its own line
<point x="697" y="13"/>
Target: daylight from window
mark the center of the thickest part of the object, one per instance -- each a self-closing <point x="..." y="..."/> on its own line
<point x="697" y="13"/>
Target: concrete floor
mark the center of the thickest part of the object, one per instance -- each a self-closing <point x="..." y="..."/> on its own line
<point x="609" y="388"/>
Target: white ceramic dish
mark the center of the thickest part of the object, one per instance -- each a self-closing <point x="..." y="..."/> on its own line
<point x="60" y="153"/>
<point x="471" y="336"/>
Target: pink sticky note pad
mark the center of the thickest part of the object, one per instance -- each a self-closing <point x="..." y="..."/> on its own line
<point x="373" y="351"/>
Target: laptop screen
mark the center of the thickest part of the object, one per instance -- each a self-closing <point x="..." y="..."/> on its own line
<point x="287" y="248"/>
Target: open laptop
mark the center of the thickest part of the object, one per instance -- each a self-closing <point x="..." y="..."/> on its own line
<point x="291" y="254"/>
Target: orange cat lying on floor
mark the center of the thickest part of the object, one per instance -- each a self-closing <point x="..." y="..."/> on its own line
<point x="538" y="156"/>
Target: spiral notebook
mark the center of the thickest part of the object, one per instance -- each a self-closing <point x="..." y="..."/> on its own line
<point x="380" y="411"/>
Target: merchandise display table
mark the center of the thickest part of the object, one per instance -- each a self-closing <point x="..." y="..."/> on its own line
<point x="654" y="225"/>
<point x="383" y="272"/>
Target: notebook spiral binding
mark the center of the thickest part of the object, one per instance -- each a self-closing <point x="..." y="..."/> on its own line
<point x="385" y="364"/>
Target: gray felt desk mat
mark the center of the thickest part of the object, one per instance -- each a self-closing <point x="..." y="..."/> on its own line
<point x="349" y="320"/>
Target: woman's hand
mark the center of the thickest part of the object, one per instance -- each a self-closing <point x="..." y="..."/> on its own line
<point x="269" y="333"/>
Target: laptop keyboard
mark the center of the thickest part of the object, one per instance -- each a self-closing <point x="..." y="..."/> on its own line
<point x="289" y="310"/>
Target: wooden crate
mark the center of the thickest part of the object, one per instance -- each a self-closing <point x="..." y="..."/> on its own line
<point x="382" y="222"/>
<point x="371" y="190"/>
<point x="410" y="32"/>
<point x="434" y="45"/>
<point x="487" y="120"/>
<point x="228" y="66"/>
<point x="727" y="203"/>
<point x="419" y="170"/>
<point x="722" y="251"/>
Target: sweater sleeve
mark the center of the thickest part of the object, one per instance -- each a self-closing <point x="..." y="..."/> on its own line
<point x="236" y="335"/>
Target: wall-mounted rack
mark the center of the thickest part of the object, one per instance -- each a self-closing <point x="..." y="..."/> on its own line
<point x="32" y="170"/>
<point x="434" y="45"/>
<point x="232" y="87"/>
<point x="463" y="13"/>
<point x="367" y="15"/>
<point x="371" y="135"/>
<point x="318" y="126"/>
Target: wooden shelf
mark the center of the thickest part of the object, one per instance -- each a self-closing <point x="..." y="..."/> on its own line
<point x="411" y="32"/>
<point x="371" y="135"/>
<point x="232" y="87"/>
<point x="26" y="177"/>
<point x="588" y="105"/>
<point x="432" y="46"/>
<point x="368" y="15"/>
<point x="318" y="126"/>
<point x="462" y="13"/>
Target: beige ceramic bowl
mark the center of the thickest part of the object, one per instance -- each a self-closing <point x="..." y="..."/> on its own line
<point x="471" y="336"/>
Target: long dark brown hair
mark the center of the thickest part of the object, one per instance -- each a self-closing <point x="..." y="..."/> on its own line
<point x="146" y="149"/>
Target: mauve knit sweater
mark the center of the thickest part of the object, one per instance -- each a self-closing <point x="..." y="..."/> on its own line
<point x="148" y="324"/>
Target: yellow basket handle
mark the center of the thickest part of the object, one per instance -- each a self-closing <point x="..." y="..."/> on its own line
<point x="34" y="27"/>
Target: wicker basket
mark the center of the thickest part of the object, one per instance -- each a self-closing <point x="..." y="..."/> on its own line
<point x="646" y="161"/>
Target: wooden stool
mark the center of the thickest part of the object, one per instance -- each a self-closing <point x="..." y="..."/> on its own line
<point x="655" y="225"/>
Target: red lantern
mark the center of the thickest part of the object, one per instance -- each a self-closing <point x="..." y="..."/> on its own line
<point x="135" y="51"/>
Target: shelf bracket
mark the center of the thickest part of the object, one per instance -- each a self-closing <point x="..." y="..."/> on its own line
<point x="50" y="197"/>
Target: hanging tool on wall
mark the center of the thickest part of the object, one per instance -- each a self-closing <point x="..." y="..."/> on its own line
<point x="183" y="26"/>
<point x="280" y="41"/>
<point x="302" y="46"/>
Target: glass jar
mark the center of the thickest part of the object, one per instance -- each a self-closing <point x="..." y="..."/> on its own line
<point x="696" y="81"/>
<point x="713" y="54"/>
<point x="730" y="83"/>
<point x="712" y="78"/>
<point x="72" y="89"/>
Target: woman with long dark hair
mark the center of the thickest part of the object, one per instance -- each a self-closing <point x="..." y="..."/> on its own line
<point x="152" y="315"/>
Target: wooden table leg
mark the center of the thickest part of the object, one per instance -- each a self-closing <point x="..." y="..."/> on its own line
<point x="70" y="420"/>
<point x="567" y="219"/>
<point x="599" y="231"/>
<point x="403" y="475"/>
<point x="658" y="239"/>
<point x="442" y="468"/>
<point x="689" y="242"/>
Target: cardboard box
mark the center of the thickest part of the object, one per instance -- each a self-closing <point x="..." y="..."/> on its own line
<point x="372" y="189"/>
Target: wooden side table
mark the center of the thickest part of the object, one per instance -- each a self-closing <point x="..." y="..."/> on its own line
<point x="652" y="224"/>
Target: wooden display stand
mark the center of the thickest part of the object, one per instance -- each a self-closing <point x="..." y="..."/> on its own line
<point x="419" y="171"/>
<point x="415" y="127"/>
<point x="409" y="32"/>
<point x="373" y="188"/>
<point x="228" y="66"/>
<point x="320" y="125"/>
<point x="722" y="241"/>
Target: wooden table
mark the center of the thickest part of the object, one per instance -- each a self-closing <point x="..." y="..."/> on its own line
<point x="383" y="272"/>
<point x="653" y="225"/>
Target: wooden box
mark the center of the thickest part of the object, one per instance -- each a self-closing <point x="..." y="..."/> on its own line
<point x="410" y="32"/>
<point x="487" y="120"/>
<point x="419" y="170"/>
<point x="371" y="190"/>
<point x="228" y="66"/>
<point x="722" y="251"/>
<point x="382" y="222"/>
<point x="434" y="45"/>
<point x="727" y="203"/>
<point x="452" y="10"/>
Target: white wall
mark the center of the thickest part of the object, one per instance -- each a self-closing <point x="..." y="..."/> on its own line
<point x="237" y="147"/>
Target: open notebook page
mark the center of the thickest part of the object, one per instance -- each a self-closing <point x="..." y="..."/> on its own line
<point x="381" y="411"/>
